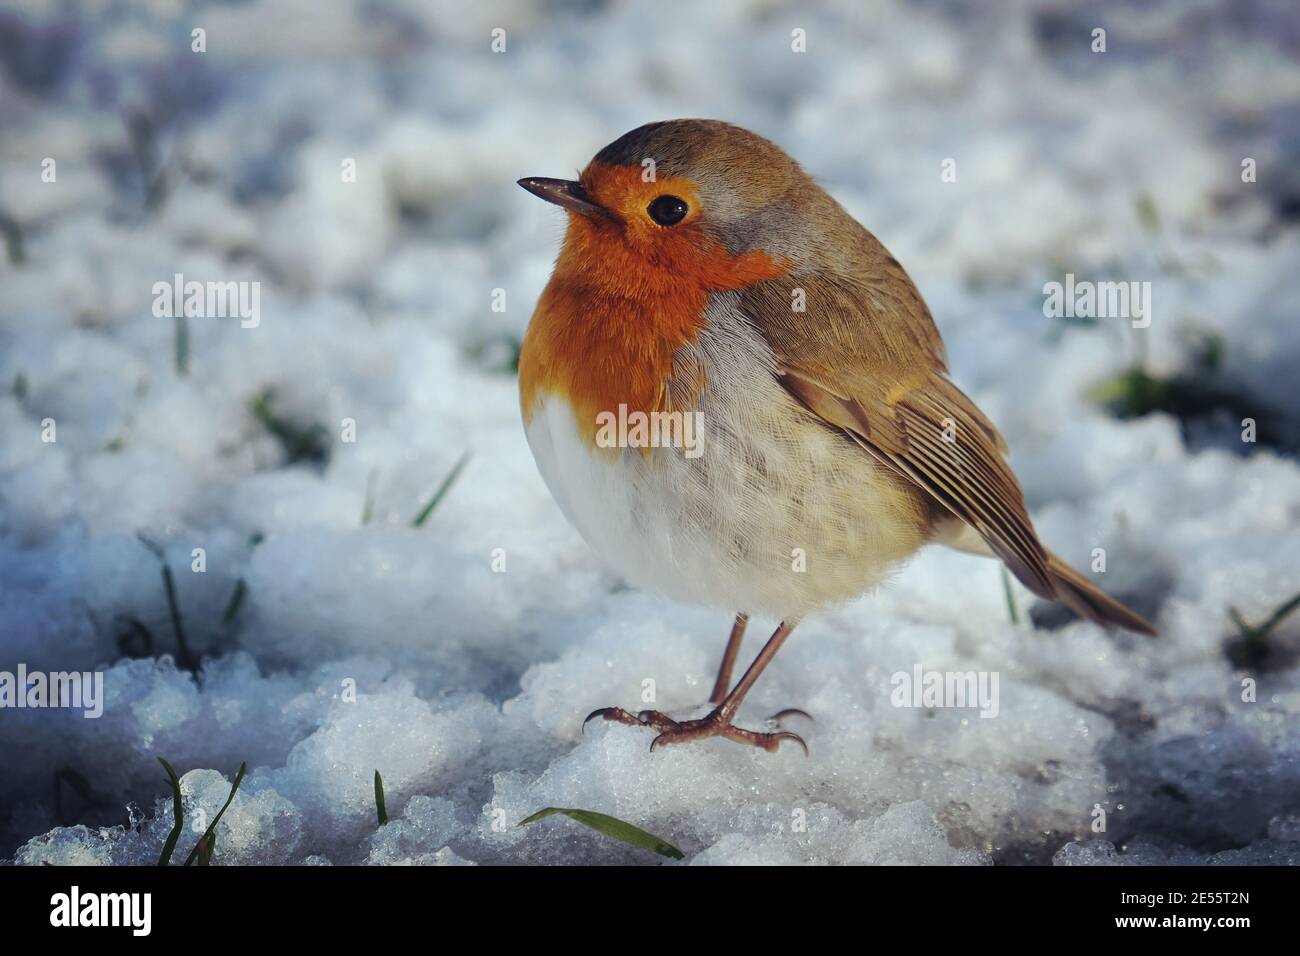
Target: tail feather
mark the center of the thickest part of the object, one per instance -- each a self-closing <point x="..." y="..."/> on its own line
<point x="1068" y="586"/>
<point x="1087" y="600"/>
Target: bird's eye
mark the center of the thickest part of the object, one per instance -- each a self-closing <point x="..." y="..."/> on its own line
<point x="667" y="210"/>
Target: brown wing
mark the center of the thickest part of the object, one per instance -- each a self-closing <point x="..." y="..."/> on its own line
<point x="866" y="357"/>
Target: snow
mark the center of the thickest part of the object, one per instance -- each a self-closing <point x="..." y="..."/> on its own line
<point x="362" y="643"/>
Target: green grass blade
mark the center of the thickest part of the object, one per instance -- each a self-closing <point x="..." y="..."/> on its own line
<point x="443" y="488"/>
<point x="235" y="603"/>
<point x="1011" y="598"/>
<point x="1148" y="217"/>
<point x="380" y="807"/>
<point x="1251" y="648"/>
<point x="183" y="656"/>
<point x="368" y="504"/>
<point x="178" y="815"/>
<point x="11" y="231"/>
<point x="300" y="443"/>
<point x="153" y="546"/>
<point x="209" y="838"/>
<point x="182" y="345"/>
<point x="612" y="827"/>
<point x="1240" y="622"/>
<point x="1278" y="616"/>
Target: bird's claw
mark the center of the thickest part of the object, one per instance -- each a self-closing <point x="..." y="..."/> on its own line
<point x="714" y="725"/>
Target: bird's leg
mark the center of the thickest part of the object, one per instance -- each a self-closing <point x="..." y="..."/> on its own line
<point x="718" y="722"/>
<point x="729" y="658"/>
<point x="723" y="682"/>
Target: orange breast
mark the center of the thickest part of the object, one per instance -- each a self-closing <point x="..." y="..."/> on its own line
<point x="623" y="299"/>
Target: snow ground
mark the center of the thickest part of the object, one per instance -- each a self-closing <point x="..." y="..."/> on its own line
<point x="376" y="306"/>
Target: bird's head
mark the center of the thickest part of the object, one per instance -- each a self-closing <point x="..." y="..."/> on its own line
<point x="684" y="202"/>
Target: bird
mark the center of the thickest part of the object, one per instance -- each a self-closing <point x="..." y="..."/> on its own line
<point x="707" y="287"/>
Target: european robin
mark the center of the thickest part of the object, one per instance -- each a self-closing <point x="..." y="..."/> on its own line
<point x="739" y="398"/>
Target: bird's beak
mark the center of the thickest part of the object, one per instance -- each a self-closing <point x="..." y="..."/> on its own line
<point x="563" y="192"/>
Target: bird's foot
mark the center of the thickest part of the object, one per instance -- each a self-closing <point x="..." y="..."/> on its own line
<point x="715" y="724"/>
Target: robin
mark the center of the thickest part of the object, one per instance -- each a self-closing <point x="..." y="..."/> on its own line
<point x="706" y="284"/>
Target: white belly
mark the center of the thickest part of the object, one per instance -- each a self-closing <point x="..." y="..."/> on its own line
<point x="778" y="515"/>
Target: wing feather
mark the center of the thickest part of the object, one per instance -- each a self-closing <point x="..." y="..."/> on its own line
<point x="869" y="361"/>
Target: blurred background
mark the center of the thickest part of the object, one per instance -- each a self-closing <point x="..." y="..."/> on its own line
<point x="357" y="158"/>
